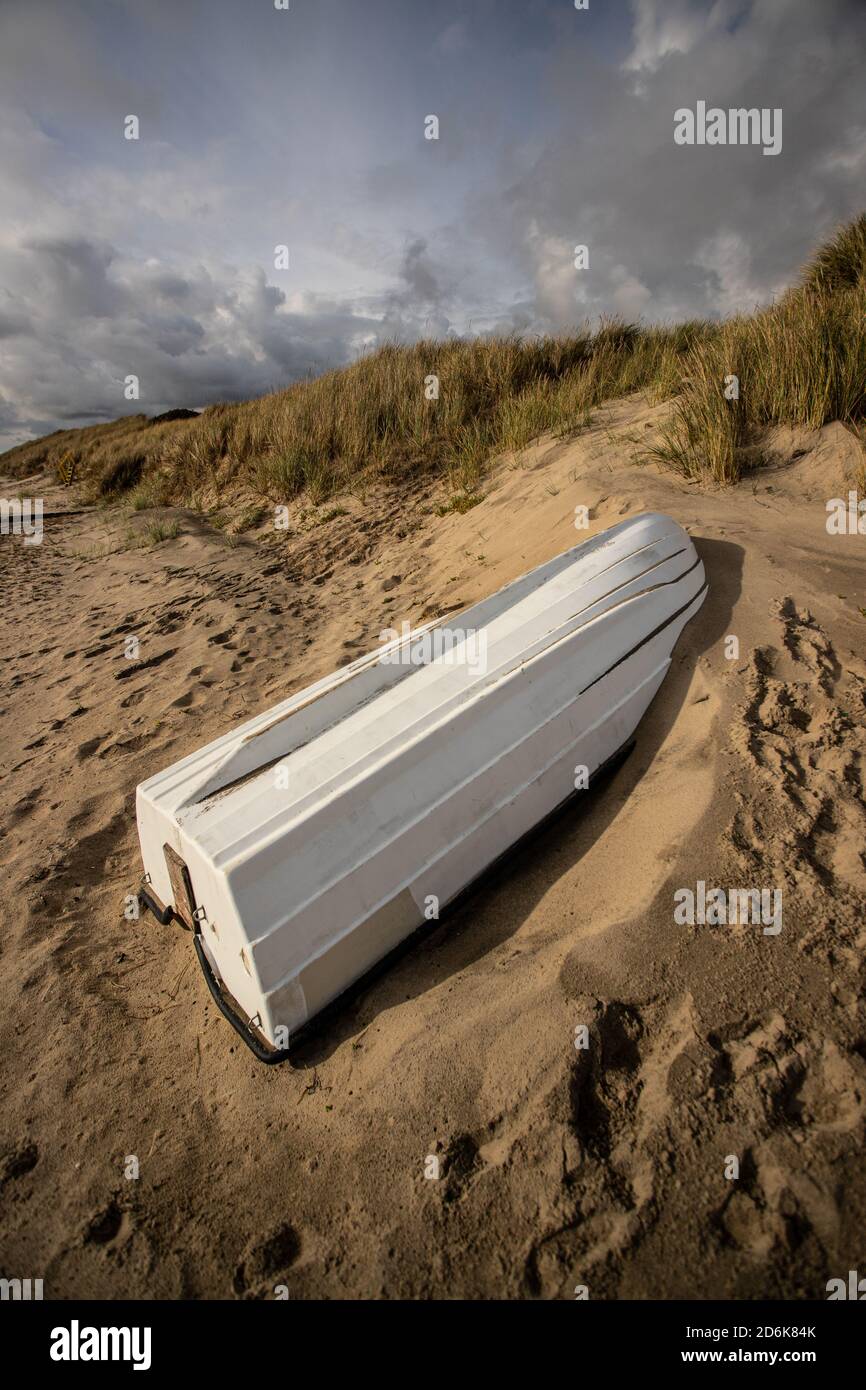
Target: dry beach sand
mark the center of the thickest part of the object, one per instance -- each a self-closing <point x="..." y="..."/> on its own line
<point x="604" y="1167"/>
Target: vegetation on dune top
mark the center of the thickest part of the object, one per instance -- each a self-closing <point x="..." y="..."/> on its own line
<point x="801" y="361"/>
<point x="447" y="406"/>
<point x="433" y="407"/>
<point x="841" y="262"/>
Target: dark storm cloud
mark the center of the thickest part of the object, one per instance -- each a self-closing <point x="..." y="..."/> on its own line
<point x="306" y="128"/>
<point x="688" y="230"/>
<point x="94" y="319"/>
<point x="424" y="289"/>
<point x="71" y="278"/>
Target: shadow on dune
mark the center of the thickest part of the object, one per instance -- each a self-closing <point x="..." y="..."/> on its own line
<point x="492" y="908"/>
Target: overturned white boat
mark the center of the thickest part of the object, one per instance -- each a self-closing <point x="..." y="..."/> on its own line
<point x="304" y="846"/>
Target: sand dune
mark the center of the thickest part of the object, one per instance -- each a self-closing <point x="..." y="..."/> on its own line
<point x="559" y="1167"/>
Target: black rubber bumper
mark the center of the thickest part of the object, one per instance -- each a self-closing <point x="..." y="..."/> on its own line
<point x="149" y="900"/>
<point x="271" y="1056"/>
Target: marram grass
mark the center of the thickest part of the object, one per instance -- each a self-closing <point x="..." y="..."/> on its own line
<point x="802" y="361"/>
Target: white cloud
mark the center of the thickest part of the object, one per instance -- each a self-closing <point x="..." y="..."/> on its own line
<point x="556" y="281"/>
<point x="663" y="27"/>
<point x="629" y="296"/>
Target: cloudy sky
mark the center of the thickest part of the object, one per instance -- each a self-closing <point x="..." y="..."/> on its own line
<point x="305" y="127"/>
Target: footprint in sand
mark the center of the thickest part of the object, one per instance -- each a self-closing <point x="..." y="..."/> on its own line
<point x="89" y="747"/>
<point x="266" y="1259"/>
<point x="106" y="1225"/>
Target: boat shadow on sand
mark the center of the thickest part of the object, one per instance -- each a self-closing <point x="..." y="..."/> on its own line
<point x="494" y="906"/>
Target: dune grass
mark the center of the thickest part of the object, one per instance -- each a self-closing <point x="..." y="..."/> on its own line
<point x="447" y="407"/>
<point x="802" y="361"/>
<point x="111" y="459"/>
<point x="433" y="407"/>
<point x="443" y="407"/>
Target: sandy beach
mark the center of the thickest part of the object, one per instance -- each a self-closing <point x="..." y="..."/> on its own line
<point x="603" y="1168"/>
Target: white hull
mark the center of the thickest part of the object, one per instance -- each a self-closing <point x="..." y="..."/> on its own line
<point x="322" y="833"/>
